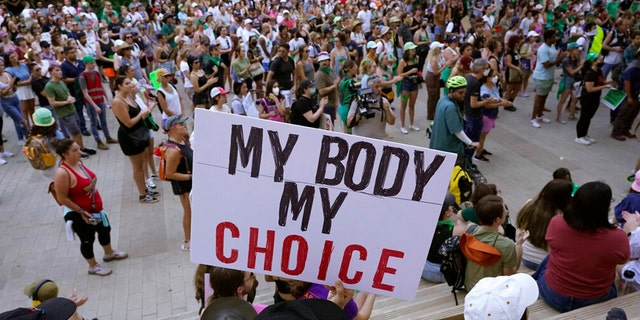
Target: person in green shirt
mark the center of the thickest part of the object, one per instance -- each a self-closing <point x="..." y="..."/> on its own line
<point x="612" y="8"/>
<point x="169" y="30"/>
<point x="63" y="102"/>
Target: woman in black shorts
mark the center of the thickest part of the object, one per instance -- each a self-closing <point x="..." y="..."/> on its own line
<point x="130" y="117"/>
<point x="179" y="161"/>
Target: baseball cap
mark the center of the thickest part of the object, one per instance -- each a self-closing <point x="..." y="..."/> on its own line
<point x="452" y="39"/>
<point x="436" y="44"/>
<point x="305" y="309"/>
<point x="371" y="45"/>
<point x="572" y="45"/>
<point x="44" y="44"/>
<point x="42" y="117"/>
<point x="409" y="46"/>
<point x="217" y="91"/>
<point x="88" y="59"/>
<point x="285" y="12"/>
<point x="229" y="308"/>
<point x="173" y="120"/>
<point x="58" y="308"/>
<point x="532" y="34"/>
<point x="504" y="297"/>
<point x="248" y="21"/>
<point x="162" y="72"/>
<point x="323" y="56"/>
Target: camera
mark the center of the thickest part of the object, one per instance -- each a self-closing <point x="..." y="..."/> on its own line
<point x="364" y="98"/>
<point x="96" y="219"/>
<point x="416" y="77"/>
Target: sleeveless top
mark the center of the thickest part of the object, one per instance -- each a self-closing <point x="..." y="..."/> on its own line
<point x="172" y="100"/>
<point x="186" y="161"/>
<point x="409" y="67"/>
<point x="309" y="71"/>
<point x="339" y="60"/>
<point x="133" y="112"/>
<point x="107" y="52"/>
<point x="199" y="97"/>
<point x="80" y="194"/>
<point x="269" y="106"/>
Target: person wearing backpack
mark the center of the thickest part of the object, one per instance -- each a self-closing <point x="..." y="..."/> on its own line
<point x="178" y="157"/>
<point x="431" y="270"/>
<point x="491" y="213"/>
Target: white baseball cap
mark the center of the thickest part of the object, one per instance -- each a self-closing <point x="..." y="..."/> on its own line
<point x="372" y="45"/>
<point x="436" y="44"/>
<point x="323" y="56"/>
<point x="504" y="297"/>
<point x="532" y="34"/>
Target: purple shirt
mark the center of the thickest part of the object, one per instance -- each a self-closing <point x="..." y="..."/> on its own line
<point x="318" y="291"/>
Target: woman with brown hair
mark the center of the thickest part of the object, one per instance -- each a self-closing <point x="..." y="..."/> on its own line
<point x="513" y="72"/>
<point x="201" y="84"/>
<point x="75" y="187"/>
<point x="20" y="72"/>
<point x="304" y="67"/>
<point x="133" y="136"/>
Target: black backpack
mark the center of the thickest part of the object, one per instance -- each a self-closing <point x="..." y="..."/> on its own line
<point x="454" y="262"/>
<point x="22" y="314"/>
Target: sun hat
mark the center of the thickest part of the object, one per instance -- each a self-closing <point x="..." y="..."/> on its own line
<point x="384" y="31"/>
<point x="173" y="120"/>
<point x="504" y="297"/>
<point x="436" y="44"/>
<point x="229" y="308"/>
<point x="355" y="23"/>
<point x="42" y="117"/>
<point x="394" y="19"/>
<point x="409" y="46"/>
<point x="323" y="56"/>
<point x="217" y="91"/>
<point x="372" y="45"/>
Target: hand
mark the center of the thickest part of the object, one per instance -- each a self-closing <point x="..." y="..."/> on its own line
<point x="336" y="81"/>
<point x="78" y="301"/>
<point x="339" y="295"/>
<point x="97" y="109"/>
<point x="323" y="102"/>
<point x="414" y="70"/>
<point x="474" y="144"/>
<point x="522" y="237"/>
<point x="145" y="113"/>
<point x="273" y="97"/>
<point x="71" y="99"/>
<point x="632" y="220"/>
<point x="85" y="216"/>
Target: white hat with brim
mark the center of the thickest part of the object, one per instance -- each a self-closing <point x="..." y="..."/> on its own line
<point x="532" y="34"/>
<point x="504" y="297"/>
<point x="436" y="44"/>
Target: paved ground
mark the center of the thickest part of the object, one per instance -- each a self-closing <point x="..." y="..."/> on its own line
<point x="156" y="281"/>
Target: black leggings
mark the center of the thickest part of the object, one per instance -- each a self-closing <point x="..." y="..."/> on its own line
<point x="589" y="108"/>
<point x="87" y="234"/>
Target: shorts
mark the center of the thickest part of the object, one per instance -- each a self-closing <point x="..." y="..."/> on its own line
<point x="473" y="127"/>
<point x="543" y="87"/>
<point x="488" y="124"/>
<point x="525" y="64"/>
<point x="438" y="30"/>
<point x="25" y="93"/>
<point x="109" y="72"/>
<point x="72" y="124"/>
<point x="409" y="85"/>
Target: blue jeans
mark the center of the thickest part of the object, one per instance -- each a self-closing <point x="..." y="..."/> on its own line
<point x="103" y="121"/>
<point x="561" y="302"/>
<point x="431" y="272"/>
<point x="79" y="104"/>
<point x="11" y="105"/>
<point x="530" y="265"/>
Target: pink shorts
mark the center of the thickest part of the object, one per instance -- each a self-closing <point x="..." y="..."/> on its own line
<point x="488" y="124"/>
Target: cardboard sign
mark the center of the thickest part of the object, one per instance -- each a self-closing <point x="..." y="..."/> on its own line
<point x="314" y="205"/>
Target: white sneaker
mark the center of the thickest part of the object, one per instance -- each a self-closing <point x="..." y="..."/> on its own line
<point x="583" y="141"/>
<point x="6" y="154"/>
<point x="415" y="128"/>
<point x="150" y="183"/>
<point x="3" y="162"/>
<point x="592" y="140"/>
<point x="186" y="246"/>
<point x="535" y="123"/>
<point x="544" y="119"/>
<point x="403" y="130"/>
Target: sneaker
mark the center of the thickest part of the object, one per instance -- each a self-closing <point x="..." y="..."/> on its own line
<point x="102" y="146"/>
<point x="535" y="123"/>
<point x="583" y="141"/>
<point x="629" y="135"/>
<point x="150" y="183"/>
<point x="486" y="153"/>
<point x="100" y="270"/>
<point x="111" y="140"/>
<point x="20" y="143"/>
<point x="544" y="119"/>
<point x="86" y="133"/>
<point x="117" y="255"/>
<point x="481" y="158"/>
<point x="6" y="154"/>
<point x="618" y="137"/>
<point x="572" y="117"/>
<point x="152" y="193"/>
<point x="524" y="94"/>
<point x="147" y="198"/>
<point x="592" y="140"/>
<point x="155" y="177"/>
<point x="414" y="128"/>
<point x="561" y="121"/>
<point x="510" y="108"/>
<point x="186" y="246"/>
<point x="403" y="130"/>
<point x="3" y="162"/>
<point x="88" y="151"/>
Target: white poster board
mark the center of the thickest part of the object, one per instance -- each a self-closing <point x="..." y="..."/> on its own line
<point x="361" y="213"/>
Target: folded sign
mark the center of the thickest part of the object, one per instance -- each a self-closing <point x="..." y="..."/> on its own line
<point x="314" y="205"/>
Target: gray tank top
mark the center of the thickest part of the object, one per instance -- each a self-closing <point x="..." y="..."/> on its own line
<point x="309" y="71"/>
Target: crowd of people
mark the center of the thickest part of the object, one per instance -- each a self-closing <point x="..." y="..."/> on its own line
<point x="328" y="65"/>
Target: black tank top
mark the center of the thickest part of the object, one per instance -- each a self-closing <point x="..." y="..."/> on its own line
<point x="133" y="112"/>
<point x="107" y="52"/>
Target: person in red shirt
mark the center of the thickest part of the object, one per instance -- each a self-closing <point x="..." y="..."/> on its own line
<point x="584" y="250"/>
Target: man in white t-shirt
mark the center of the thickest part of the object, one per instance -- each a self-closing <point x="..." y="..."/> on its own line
<point x="68" y="8"/>
<point x="245" y="32"/>
<point x="365" y="16"/>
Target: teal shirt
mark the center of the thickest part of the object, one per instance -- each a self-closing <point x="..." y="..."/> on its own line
<point x="448" y="121"/>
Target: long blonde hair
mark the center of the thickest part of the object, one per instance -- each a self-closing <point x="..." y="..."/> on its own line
<point x="432" y="54"/>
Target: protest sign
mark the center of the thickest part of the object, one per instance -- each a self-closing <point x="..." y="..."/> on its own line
<point x="613" y="98"/>
<point x="314" y="205"/>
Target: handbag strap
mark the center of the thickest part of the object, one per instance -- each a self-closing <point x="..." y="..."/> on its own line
<point x="93" y="188"/>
